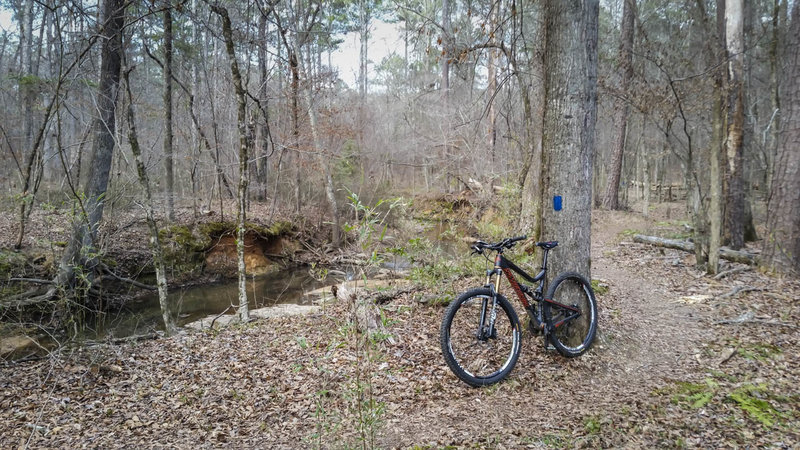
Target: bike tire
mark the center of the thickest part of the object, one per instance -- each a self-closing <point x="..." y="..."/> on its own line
<point x="571" y="337"/>
<point x="480" y="362"/>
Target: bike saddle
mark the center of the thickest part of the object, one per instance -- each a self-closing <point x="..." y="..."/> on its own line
<point x="548" y="245"/>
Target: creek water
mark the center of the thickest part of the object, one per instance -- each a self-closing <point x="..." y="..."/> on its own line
<point x="144" y="314"/>
<point x="284" y="286"/>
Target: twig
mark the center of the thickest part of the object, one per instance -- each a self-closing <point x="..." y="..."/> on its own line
<point x="218" y="316"/>
<point x="729" y="356"/>
<point x="739" y="289"/>
<point x="385" y="297"/>
<point x="128" y="280"/>
<point x="123" y="340"/>
<point x="726" y="273"/>
<point x="32" y="280"/>
<point x="749" y="317"/>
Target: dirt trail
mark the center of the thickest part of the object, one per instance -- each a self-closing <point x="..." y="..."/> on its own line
<point x="646" y="337"/>
<point x="652" y="328"/>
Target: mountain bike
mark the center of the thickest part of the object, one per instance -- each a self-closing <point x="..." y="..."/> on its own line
<point x="480" y="333"/>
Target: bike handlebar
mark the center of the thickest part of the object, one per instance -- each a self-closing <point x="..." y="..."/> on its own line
<point x="480" y="246"/>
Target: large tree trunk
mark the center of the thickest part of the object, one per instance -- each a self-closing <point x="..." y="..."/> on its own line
<point x="241" y="116"/>
<point x="155" y="242"/>
<point x="734" y="207"/>
<point x="85" y="227"/>
<point x="782" y="238"/>
<point x="622" y="107"/>
<point x="570" y="114"/>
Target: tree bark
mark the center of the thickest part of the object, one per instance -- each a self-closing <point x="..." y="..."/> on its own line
<point x="570" y="114"/>
<point x="262" y="162"/>
<point x="782" y="238"/>
<point x="82" y="242"/>
<point x="735" y="198"/>
<point x="168" y="150"/>
<point x="622" y="107"/>
<point x="774" y="91"/>
<point x="27" y="99"/>
<point x="530" y="221"/>
<point x="155" y="242"/>
<point x="715" y="183"/>
<point x="241" y="116"/>
<point x="364" y="19"/>
<point x="445" y="56"/>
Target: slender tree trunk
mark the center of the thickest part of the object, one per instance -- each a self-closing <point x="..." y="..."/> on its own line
<point x="330" y="191"/>
<point x="295" y="69"/>
<point x="242" y="308"/>
<point x="155" y="242"/>
<point x="782" y="239"/>
<point x="262" y="161"/>
<point x="774" y="91"/>
<point x="492" y="85"/>
<point x="715" y="182"/>
<point x="5" y="43"/>
<point x="622" y="108"/>
<point x="168" y="150"/>
<point x="27" y="99"/>
<point x="570" y="114"/>
<point x="446" y="39"/>
<point x="364" y="24"/>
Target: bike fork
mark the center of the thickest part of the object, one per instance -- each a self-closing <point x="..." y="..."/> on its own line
<point x="486" y="331"/>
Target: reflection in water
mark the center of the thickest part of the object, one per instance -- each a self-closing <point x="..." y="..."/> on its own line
<point x="286" y="286"/>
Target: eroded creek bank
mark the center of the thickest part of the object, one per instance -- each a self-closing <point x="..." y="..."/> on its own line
<point x="285" y="267"/>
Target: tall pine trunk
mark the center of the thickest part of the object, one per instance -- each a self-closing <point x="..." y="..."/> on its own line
<point x="622" y="108"/>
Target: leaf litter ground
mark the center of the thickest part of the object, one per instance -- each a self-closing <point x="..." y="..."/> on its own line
<point x="681" y="359"/>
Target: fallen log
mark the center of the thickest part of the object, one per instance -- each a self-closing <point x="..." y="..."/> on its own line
<point x="687" y="246"/>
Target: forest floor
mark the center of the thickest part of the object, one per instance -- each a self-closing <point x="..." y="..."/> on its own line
<point x="681" y="360"/>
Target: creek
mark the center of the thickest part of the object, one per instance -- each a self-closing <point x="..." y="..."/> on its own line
<point x="144" y="314"/>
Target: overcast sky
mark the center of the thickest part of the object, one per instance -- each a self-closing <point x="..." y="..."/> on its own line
<point x="386" y="38"/>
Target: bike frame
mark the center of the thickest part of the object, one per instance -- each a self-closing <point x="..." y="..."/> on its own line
<point x="504" y="266"/>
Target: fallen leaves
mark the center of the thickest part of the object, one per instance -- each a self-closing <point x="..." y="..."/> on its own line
<point x="312" y="381"/>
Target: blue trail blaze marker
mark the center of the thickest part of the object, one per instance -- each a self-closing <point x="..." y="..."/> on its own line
<point x="557" y="203"/>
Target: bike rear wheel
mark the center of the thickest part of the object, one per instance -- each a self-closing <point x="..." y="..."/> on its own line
<point x="570" y="312"/>
<point x="476" y="355"/>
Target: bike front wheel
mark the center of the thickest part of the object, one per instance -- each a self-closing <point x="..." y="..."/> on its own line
<point x="570" y="313"/>
<point x="476" y="352"/>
